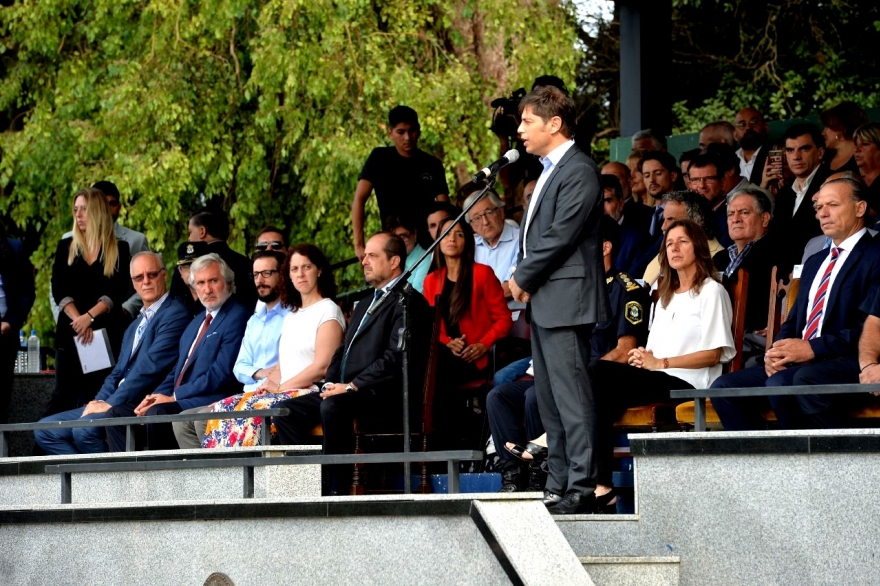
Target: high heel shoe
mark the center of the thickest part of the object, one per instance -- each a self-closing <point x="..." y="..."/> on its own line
<point x="538" y="453"/>
<point x="606" y="504"/>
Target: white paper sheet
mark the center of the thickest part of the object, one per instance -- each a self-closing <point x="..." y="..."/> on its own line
<point x="97" y="355"/>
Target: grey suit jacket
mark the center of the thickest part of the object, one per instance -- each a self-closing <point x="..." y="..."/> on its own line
<point x="562" y="268"/>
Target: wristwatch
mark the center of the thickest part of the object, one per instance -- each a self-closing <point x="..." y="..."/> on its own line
<point x="349" y="388"/>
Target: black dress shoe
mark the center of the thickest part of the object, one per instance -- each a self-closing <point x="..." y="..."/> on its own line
<point x="511" y="478"/>
<point x="574" y="503"/>
<point x="604" y="505"/>
<point x="551" y="498"/>
<point x="537" y="478"/>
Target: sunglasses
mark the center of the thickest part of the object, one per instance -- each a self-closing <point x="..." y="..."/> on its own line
<point x="148" y="275"/>
<point x="273" y="245"/>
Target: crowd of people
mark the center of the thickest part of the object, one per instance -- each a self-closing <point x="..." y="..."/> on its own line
<point x="228" y="333"/>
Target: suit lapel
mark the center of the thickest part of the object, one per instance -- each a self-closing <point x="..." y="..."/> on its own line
<point x="551" y="178"/>
<point x="852" y="260"/>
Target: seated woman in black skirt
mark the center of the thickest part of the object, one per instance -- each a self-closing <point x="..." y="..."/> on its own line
<point x="689" y="339"/>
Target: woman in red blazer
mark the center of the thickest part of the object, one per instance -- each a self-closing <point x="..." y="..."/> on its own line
<point x="475" y="313"/>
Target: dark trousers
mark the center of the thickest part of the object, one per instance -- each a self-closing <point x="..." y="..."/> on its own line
<point x="72" y="388"/>
<point x="792" y="411"/>
<point x="506" y="406"/>
<point x="566" y="403"/>
<point x="619" y="387"/>
<point x="160" y="436"/>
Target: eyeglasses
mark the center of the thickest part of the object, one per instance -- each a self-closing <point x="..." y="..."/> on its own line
<point x="484" y="216"/>
<point x="264" y="274"/>
<point x="274" y="245"/>
<point x="148" y="275"/>
<point x="706" y="179"/>
<point x="404" y="235"/>
<point x="753" y="123"/>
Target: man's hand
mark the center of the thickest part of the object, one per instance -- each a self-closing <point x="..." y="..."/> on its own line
<point x="871" y="375"/>
<point x="789" y="351"/>
<point x="150" y="401"/>
<point x="517" y="293"/>
<point x="96" y="407"/>
<point x="333" y="389"/>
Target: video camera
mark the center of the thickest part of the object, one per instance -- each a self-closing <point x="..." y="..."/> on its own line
<point x="505" y="119"/>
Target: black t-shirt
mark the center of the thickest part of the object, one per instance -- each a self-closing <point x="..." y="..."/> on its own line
<point x="405" y="186"/>
<point x="452" y="329"/>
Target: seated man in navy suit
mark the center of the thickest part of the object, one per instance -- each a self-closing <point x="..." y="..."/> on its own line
<point x="818" y="343"/>
<point x="633" y="229"/>
<point x="149" y="349"/>
<point x="207" y="352"/>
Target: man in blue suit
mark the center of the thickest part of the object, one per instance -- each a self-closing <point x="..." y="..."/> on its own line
<point x="208" y="349"/>
<point x="149" y="349"/>
<point x="818" y="343"/>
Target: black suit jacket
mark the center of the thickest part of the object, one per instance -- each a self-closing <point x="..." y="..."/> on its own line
<point x="757" y="174"/>
<point x="856" y="281"/>
<point x="792" y="232"/>
<point x="374" y="363"/>
<point x="759" y="264"/>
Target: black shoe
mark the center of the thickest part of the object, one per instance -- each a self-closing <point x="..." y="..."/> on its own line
<point x="511" y="478"/>
<point x="551" y="498"/>
<point x="537" y="478"/>
<point x="604" y="504"/>
<point x="574" y="503"/>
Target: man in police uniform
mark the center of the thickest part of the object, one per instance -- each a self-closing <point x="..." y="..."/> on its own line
<point x="509" y="403"/>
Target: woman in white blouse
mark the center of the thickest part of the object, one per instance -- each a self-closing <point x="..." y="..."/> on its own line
<point x="689" y="340"/>
<point x="311" y="333"/>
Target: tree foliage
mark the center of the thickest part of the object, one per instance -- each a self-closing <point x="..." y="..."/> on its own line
<point x="267" y="108"/>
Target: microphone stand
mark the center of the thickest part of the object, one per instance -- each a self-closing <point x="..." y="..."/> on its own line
<point x="403" y="289"/>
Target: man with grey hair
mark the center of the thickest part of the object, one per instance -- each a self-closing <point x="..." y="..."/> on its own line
<point x="497" y="242"/>
<point x="719" y="131"/>
<point x="208" y="349"/>
<point x="645" y="140"/>
<point x="684" y="205"/>
<point x="149" y="349"/>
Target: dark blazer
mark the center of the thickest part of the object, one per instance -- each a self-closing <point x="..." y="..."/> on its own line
<point x="759" y="264"/>
<point x="791" y="233"/>
<point x="18" y="286"/>
<point x="856" y="281"/>
<point x="637" y="216"/>
<point x="374" y="363"/>
<point x="562" y="267"/>
<point x="650" y="251"/>
<point x="760" y="160"/>
<point x="153" y="358"/>
<point x="488" y="317"/>
<point x="209" y="378"/>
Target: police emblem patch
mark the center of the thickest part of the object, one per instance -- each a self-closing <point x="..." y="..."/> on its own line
<point x="633" y="312"/>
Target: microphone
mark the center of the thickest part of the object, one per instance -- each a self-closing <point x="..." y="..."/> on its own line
<point x="509" y="157"/>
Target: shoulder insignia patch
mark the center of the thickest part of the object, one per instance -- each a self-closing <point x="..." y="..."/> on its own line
<point x="608" y="280"/>
<point x="633" y="312"/>
<point x="629" y="283"/>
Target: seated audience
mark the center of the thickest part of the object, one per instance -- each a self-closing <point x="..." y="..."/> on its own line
<point x="496" y="241"/>
<point x="748" y="219"/>
<point x="817" y="344"/>
<point x="207" y="352"/>
<point x="720" y="132"/>
<point x="633" y="230"/>
<point x="405" y="229"/>
<point x="683" y="205"/>
<point x="149" y="349"/>
<point x="645" y="140"/>
<point x="689" y="340"/>
<point x="794" y="219"/>
<point x="660" y="173"/>
<point x="638" y="189"/>
<point x="684" y="161"/>
<point x="368" y="364"/>
<point x="271" y="238"/>
<point x="839" y="123"/>
<point x="437" y="212"/>
<point x="867" y="156"/>
<point x="17" y="294"/>
<point x="751" y="131"/>
<point x="313" y="329"/>
<point x="90" y="285"/>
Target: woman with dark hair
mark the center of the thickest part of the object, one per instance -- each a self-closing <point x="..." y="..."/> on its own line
<point x="90" y="282"/>
<point x="839" y="123"/>
<point x="689" y="339"/>
<point x="311" y="333"/>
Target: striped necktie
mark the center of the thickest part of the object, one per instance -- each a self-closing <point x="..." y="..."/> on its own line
<point x="812" y="329"/>
<point x="202" y="332"/>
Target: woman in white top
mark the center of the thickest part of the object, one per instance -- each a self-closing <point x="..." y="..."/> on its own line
<point x="311" y="333"/>
<point x="689" y="339"/>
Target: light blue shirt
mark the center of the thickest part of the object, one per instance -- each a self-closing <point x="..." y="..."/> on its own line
<point x="417" y="278"/>
<point x="501" y="257"/>
<point x="259" y="347"/>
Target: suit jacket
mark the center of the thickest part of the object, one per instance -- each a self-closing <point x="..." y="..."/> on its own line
<point x="561" y="264"/>
<point x="757" y="174"/>
<point x="152" y="360"/>
<point x="488" y="318"/>
<point x="759" y="264"/>
<point x="209" y="378"/>
<point x="791" y="233"/>
<point x="18" y="286"/>
<point x="856" y="281"/>
<point x="374" y="363"/>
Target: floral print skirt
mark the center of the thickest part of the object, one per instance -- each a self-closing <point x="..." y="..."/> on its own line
<point x="246" y="431"/>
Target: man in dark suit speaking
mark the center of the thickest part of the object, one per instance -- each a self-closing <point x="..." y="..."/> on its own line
<point x="364" y="375"/>
<point x="560" y="272"/>
<point x="149" y="349"/>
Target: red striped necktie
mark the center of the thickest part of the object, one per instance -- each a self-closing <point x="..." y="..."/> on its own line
<point x="819" y="301"/>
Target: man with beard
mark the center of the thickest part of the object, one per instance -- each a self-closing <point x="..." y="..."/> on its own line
<point x="258" y="357"/>
<point x="751" y="131"/>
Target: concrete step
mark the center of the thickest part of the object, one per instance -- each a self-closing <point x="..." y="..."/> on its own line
<point x="632" y="570"/>
<point x="601" y="535"/>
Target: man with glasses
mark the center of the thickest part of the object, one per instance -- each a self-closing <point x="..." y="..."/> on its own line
<point x="497" y="242"/>
<point x="258" y="356"/>
<point x="405" y="229"/>
<point x="270" y="238"/>
<point x="149" y="350"/>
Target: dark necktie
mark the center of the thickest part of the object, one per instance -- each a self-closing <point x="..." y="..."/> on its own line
<point x="204" y="330"/>
<point x="657" y="221"/>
